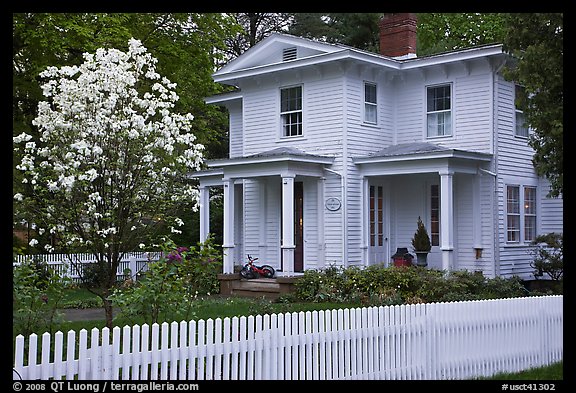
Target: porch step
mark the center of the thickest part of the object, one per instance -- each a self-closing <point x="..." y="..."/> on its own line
<point x="270" y="288"/>
<point x="257" y="287"/>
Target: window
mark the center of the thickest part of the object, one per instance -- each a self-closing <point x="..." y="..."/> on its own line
<point x="376" y="216"/>
<point x="435" y="215"/>
<point x="291" y="111"/>
<point x="439" y="115"/>
<point x="517" y="217"/>
<point x="529" y="214"/>
<point x="370" y="103"/>
<point x="521" y="127"/>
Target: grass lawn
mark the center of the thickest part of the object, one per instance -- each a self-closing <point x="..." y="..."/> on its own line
<point x="553" y="372"/>
<point x="208" y="307"/>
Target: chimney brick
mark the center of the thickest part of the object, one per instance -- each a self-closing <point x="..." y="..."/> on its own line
<point x="398" y="35"/>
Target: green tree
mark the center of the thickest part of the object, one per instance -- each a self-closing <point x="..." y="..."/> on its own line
<point x="359" y="30"/>
<point x="536" y="41"/>
<point x="252" y="27"/>
<point x="188" y="46"/>
<point x="441" y="32"/>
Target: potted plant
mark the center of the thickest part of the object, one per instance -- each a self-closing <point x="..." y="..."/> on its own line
<point x="421" y="244"/>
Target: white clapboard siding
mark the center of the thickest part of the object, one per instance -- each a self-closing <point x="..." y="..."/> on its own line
<point x="457" y="340"/>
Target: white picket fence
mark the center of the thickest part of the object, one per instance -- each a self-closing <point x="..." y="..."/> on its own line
<point x="72" y="265"/>
<point x="458" y="340"/>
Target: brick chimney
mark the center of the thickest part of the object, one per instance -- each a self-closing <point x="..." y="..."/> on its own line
<point x="398" y="35"/>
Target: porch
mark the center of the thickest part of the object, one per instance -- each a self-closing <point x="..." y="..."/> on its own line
<point x="263" y="206"/>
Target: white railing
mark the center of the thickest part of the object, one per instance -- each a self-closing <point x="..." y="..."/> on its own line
<point x="73" y="265"/>
<point x="457" y="340"/>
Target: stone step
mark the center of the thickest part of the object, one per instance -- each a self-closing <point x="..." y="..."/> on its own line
<point x="257" y="285"/>
<point x="233" y="284"/>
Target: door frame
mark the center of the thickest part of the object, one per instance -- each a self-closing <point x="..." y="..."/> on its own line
<point x="298" y="235"/>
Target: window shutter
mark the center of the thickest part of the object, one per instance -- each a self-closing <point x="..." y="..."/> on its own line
<point x="289" y="54"/>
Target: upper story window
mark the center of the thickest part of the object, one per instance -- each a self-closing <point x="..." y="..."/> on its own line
<point x="439" y="110"/>
<point x="370" y="103"/>
<point x="291" y="111"/>
<point x="521" y="127"/>
<point x="520" y="213"/>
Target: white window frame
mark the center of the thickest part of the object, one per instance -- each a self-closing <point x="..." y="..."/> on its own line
<point x="370" y="104"/>
<point x="522" y="213"/>
<point x="283" y="134"/>
<point x="443" y="111"/>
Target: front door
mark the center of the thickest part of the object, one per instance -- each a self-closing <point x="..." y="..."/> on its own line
<point x="378" y="238"/>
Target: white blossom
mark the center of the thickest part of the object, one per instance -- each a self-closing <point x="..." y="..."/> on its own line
<point x="107" y="143"/>
<point x="33" y="242"/>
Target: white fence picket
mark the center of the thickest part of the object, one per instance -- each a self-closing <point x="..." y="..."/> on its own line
<point x="73" y="265"/>
<point x="457" y="340"/>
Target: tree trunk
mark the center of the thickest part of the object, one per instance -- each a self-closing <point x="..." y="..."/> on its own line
<point x="108" y="312"/>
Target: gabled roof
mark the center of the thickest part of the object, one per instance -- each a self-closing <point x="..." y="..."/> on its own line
<point x="262" y="52"/>
<point x="266" y="57"/>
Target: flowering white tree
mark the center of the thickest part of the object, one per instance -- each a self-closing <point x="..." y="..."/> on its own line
<point x="112" y="160"/>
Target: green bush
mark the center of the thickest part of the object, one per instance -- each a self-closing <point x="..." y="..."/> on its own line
<point x="379" y="285"/>
<point x="36" y="293"/>
<point x="170" y="285"/>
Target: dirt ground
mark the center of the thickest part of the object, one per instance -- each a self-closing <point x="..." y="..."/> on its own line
<point x="87" y="314"/>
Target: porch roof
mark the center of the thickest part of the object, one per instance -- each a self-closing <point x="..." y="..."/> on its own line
<point x="282" y="161"/>
<point x="420" y="157"/>
<point x="280" y="154"/>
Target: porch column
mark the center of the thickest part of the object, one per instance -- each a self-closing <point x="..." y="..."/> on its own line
<point x="228" y="235"/>
<point x="365" y="198"/>
<point x="446" y="220"/>
<point x="204" y="213"/>
<point x="288" y="245"/>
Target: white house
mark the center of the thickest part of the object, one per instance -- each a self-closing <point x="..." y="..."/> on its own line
<point x="335" y="152"/>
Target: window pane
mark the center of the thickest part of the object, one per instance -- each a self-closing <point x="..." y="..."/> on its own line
<point x="529" y="228"/>
<point x="513" y="200"/>
<point x="370" y="113"/>
<point x="370" y="93"/>
<point x="291" y="99"/>
<point x="292" y="123"/>
<point x="521" y="128"/>
<point x="513" y="228"/>
<point x="439" y="124"/>
<point x="438" y="98"/>
<point x="529" y="200"/>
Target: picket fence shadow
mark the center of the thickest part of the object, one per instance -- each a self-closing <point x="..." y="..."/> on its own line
<point x="436" y="341"/>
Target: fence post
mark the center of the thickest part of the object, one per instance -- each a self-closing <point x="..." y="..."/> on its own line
<point x="133" y="266"/>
